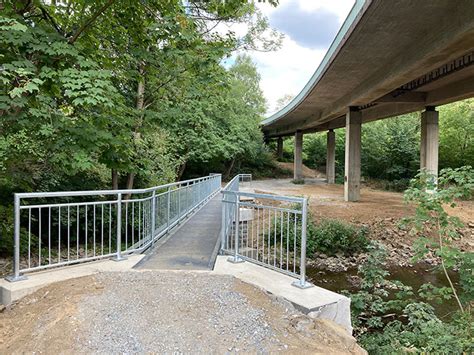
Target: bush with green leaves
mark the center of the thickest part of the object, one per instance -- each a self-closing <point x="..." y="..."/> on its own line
<point x="332" y="236"/>
<point x="422" y="332"/>
<point x="436" y="229"/>
<point x="388" y="319"/>
<point x="386" y="315"/>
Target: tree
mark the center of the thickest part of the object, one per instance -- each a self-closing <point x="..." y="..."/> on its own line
<point x="456" y="146"/>
<point x="283" y="101"/>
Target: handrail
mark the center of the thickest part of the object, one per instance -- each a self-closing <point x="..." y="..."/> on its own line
<point x="110" y="192"/>
<point x="53" y="234"/>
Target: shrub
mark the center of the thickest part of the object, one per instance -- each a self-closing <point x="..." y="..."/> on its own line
<point x="330" y="236"/>
<point x="298" y="181"/>
<point x="333" y="236"/>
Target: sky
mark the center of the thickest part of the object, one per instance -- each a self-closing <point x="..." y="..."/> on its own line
<point x="309" y="27"/>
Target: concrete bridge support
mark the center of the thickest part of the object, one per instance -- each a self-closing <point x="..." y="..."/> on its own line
<point x="352" y="155"/>
<point x="279" y="148"/>
<point x="331" y="157"/>
<point x="298" y="157"/>
<point x="429" y="144"/>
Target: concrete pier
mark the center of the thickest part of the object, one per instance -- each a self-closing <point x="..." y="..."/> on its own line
<point x="429" y="144"/>
<point x="279" y="148"/>
<point x="298" y="158"/>
<point x="331" y="157"/>
<point x="352" y="155"/>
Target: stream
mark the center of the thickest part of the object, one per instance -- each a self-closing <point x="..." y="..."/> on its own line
<point x="411" y="276"/>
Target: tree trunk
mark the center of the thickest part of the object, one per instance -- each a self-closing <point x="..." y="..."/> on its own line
<point x="114" y="179"/>
<point x="181" y="169"/>
<point x="138" y="125"/>
<point x="130" y="178"/>
<point x="229" y="171"/>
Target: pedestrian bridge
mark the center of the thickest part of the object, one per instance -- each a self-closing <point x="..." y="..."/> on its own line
<point x="194" y="225"/>
<point x="180" y="226"/>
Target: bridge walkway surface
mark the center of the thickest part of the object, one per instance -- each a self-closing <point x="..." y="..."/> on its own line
<point x="192" y="246"/>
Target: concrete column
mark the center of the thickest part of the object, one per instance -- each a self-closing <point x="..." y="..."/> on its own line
<point x="352" y="155"/>
<point x="331" y="157"/>
<point x="280" y="148"/>
<point x="429" y="144"/>
<point x="298" y="159"/>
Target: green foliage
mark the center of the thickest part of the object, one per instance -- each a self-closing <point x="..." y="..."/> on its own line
<point x="371" y="302"/>
<point x="386" y="316"/>
<point x="424" y="333"/>
<point x="390" y="147"/>
<point x="456" y="134"/>
<point x="137" y="91"/>
<point x="332" y="236"/>
<point x="388" y="319"/>
<point x="436" y="228"/>
<point x="298" y="181"/>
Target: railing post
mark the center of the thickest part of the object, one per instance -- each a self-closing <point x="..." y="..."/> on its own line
<point x="199" y="192"/>
<point x="168" y="212"/>
<point x="179" y="203"/>
<point x="119" y="256"/>
<point x="223" y="225"/>
<point x="301" y="283"/>
<point x="236" y="258"/>
<point x="153" y="216"/>
<point x="16" y="235"/>
<point x="188" y="206"/>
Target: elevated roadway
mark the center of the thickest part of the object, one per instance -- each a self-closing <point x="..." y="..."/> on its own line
<point x="389" y="58"/>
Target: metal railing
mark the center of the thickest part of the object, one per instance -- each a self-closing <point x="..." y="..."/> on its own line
<point x="265" y="229"/>
<point x="53" y="229"/>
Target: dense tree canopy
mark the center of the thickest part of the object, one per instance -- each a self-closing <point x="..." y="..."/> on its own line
<point x="124" y="89"/>
<point x="391" y="147"/>
<point x="123" y="94"/>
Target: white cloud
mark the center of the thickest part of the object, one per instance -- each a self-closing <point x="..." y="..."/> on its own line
<point x="287" y="70"/>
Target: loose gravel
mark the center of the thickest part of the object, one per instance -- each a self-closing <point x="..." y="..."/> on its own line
<point x="160" y="312"/>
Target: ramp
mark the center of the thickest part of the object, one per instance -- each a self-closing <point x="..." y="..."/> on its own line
<point x="192" y="246"/>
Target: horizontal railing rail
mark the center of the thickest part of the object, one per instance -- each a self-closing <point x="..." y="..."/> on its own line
<point x="268" y="230"/>
<point x="54" y="229"/>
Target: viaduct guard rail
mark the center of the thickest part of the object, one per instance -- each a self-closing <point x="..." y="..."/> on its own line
<point x="54" y="229"/>
<point x="268" y="230"/>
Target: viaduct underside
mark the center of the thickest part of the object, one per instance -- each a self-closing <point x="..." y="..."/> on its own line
<point x="388" y="59"/>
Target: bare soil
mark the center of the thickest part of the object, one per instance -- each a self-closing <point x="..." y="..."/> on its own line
<point x="140" y="312"/>
<point x="307" y="172"/>
<point x="380" y="211"/>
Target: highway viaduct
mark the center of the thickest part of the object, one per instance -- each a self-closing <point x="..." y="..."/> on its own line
<point x="389" y="58"/>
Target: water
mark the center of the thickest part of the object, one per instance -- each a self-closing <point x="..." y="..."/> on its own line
<point x="411" y="276"/>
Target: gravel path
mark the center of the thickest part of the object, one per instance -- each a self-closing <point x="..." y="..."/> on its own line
<point x="140" y="312"/>
<point x="163" y="312"/>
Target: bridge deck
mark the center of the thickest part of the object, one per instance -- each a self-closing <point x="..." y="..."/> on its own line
<point x="192" y="246"/>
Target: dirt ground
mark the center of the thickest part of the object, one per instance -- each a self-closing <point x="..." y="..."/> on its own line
<point x="327" y="201"/>
<point x="223" y="316"/>
<point x="378" y="210"/>
<point x="307" y="172"/>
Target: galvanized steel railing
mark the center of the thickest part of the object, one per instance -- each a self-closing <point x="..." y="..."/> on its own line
<point x="265" y="229"/>
<point x="60" y="228"/>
